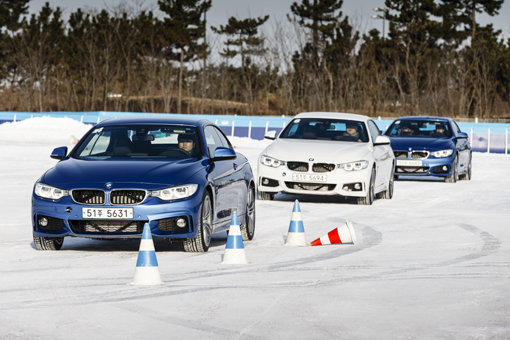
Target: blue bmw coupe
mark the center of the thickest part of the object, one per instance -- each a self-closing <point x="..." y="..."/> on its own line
<point x="430" y="146"/>
<point x="181" y="176"/>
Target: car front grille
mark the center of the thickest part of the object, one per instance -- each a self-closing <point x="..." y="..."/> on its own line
<point x="310" y="186"/>
<point x="414" y="154"/>
<point x="400" y="154"/>
<point x="298" y="166"/>
<point x="323" y="167"/>
<point x="87" y="196"/>
<point x="419" y="154"/>
<point x="316" y="167"/>
<point x="107" y="227"/>
<point x="127" y="197"/>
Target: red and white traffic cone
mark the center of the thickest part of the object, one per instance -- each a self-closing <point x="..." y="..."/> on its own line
<point x="343" y="234"/>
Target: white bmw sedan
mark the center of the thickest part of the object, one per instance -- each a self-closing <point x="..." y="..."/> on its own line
<point x="328" y="153"/>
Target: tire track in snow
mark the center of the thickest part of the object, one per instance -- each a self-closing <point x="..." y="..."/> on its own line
<point x="370" y="238"/>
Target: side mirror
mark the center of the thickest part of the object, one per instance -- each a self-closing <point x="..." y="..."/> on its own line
<point x="382" y="140"/>
<point x="270" y="135"/>
<point x="222" y="153"/>
<point x="59" y="153"/>
<point x="462" y="135"/>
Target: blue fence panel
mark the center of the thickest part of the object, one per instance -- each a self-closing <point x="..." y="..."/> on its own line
<point x="479" y="142"/>
<point x="479" y="132"/>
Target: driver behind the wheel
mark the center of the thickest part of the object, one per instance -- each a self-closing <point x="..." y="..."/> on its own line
<point x="186" y="142"/>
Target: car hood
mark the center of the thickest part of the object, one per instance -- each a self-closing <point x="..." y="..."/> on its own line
<point x="149" y="174"/>
<point x="416" y="143"/>
<point x="320" y="150"/>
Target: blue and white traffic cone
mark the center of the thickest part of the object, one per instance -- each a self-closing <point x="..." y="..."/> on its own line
<point x="147" y="272"/>
<point x="234" y="250"/>
<point x="296" y="234"/>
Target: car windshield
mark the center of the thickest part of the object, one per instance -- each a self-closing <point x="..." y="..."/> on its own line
<point x="140" y="141"/>
<point x="326" y="129"/>
<point x="419" y="128"/>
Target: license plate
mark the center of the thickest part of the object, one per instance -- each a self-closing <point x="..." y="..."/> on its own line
<point x="107" y="213"/>
<point x="409" y="162"/>
<point x="309" y="178"/>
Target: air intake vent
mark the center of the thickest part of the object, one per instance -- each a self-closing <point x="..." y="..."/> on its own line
<point x="107" y="227"/>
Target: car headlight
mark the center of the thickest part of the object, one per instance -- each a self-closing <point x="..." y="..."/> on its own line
<point x="353" y="166"/>
<point x="175" y="193"/>
<point x="442" y="153"/>
<point x="270" y="161"/>
<point x="49" y="192"/>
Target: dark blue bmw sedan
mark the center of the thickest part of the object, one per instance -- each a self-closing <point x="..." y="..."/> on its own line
<point x="181" y="176"/>
<point x="430" y="146"/>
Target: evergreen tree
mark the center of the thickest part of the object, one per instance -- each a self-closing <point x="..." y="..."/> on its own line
<point x="11" y="11"/>
<point x="184" y="28"/>
<point x="322" y="59"/>
<point x="41" y="43"/>
<point x="242" y="38"/>
<point x="321" y="17"/>
<point x="465" y="12"/>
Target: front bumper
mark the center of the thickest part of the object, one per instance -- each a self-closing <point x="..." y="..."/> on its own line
<point x="337" y="182"/>
<point x="64" y="218"/>
<point x="428" y="167"/>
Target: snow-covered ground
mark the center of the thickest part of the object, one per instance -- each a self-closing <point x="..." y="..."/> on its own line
<point x="432" y="263"/>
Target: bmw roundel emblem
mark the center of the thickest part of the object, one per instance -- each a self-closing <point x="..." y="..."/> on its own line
<point x="108" y="185"/>
<point x="310" y="159"/>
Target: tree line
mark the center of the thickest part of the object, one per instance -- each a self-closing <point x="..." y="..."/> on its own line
<point x="435" y="58"/>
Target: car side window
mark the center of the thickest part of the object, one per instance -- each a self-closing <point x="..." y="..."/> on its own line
<point x="456" y="127"/>
<point x="224" y="141"/>
<point x="214" y="139"/>
<point x="374" y="130"/>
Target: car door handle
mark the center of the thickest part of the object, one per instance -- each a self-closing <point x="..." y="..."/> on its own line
<point x="235" y="166"/>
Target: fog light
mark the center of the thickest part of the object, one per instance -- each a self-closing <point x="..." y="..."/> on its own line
<point x="181" y="222"/>
<point x="265" y="181"/>
<point x="357" y="186"/>
<point x="43" y="221"/>
<point x="445" y="168"/>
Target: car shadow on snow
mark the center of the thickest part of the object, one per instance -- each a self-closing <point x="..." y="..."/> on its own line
<point x="314" y="199"/>
<point x="420" y="179"/>
<point x="131" y="244"/>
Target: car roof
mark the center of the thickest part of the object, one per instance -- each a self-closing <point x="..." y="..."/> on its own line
<point x="429" y="118"/>
<point x="155" y="120"/>
<point x="334" y="115"/>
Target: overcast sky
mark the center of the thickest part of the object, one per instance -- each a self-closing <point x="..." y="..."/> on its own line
<point x="360" y="11"/>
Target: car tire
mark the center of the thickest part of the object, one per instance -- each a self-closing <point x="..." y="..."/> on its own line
<point x="48" y="243"/>
<point x="454" y="175"/>
<point x="388" y="193"/>
<point x="369" y="198"/>
<point x="202" y="240"/>
<point x="248" y="226"/>
<point x="265" y="196"/>
<point x="467" y="175"/>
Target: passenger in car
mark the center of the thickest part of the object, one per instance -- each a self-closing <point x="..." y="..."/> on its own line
<point x="351" y="130"/>
<point x="406" y="130"/>
<point x="440" y="131"/>
<point x="186" y="142"/>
